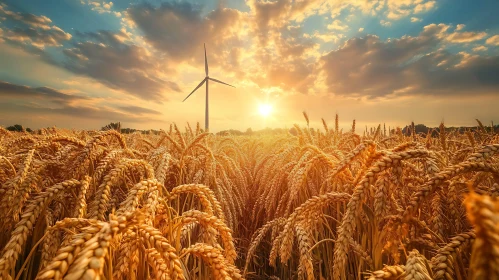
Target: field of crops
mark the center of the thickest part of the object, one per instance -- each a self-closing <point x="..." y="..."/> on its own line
<point x="318" y="203"/>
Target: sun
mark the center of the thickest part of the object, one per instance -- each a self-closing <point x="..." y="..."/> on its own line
<point x="265" y="109"/>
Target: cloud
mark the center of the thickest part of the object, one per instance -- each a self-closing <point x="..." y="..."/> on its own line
<point x="293" y="76"/>
<point x="480" y="49"/>
<point x="32" y="30"/>
<point x="82" y="113"/>
<point x="179" y="29"/>
<point x="268" y="19"/>
<point x="277" y="13"/>
<point x="425" y="7"/>
<point x="325" y="37"/>
<point x="288" y="62"/>
<point x="398" y="14"/>
<point x="466" y="37"/>
<point x="271" y="15"/>
<point x="99" y="6"/>
<point x="409" y="65"/>
<point x="361" y="29"/>
<point x="438" y="31"/>
<point x="337" y="25"/>
<point x="441" y="32"/>
<point x="282" y="55"/>
<point x="415" y="19"/>
<point x="107" y="57"/>
<point x="138" y="110"/>
<point x="385" y="23"/>
<point x="40" y="38"/>
<point x="494" y="40"/>
<point x="33" y="101"/>
<point x="8" y="90"/>
<point x="398" y="9"/>
<point x="32" y="20"/>
<point x="282" y="63"/>
<point x="267" y="16"/>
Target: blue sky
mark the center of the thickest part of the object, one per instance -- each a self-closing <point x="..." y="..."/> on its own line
<point x="84" y="63"/>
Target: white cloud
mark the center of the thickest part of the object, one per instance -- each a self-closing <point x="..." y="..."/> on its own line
<point x="398" y="14"/>
<point x="100" y="6"/>
<point x="424" y="7"/>
<point x="328" y="37"/>
<point x="415" y="19"/>
<point x="361" y="29"/>
<point x="337" y="25"/>
<point x="385" y="23"/>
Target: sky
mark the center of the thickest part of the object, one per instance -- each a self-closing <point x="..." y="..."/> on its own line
<point x="84" y="63"/>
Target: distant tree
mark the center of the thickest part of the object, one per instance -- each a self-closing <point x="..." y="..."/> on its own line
<point x="249" y="131"/>
<point x="419" y="128"/>
<point x="127" y="130"/>
<point x="16" y="127"/>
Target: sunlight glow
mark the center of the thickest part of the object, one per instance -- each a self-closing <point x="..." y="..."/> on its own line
<point x="265" y="109"/>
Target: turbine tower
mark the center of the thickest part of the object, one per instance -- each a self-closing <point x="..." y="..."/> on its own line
<point x="205" y="80"/>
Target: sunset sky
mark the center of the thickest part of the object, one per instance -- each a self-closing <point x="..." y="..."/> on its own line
<point x="85" y="63"/>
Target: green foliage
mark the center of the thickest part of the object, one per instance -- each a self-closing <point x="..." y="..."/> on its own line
<point x="18" y="128"/>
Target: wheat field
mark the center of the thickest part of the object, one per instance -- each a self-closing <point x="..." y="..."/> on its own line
<point x="319" y="203"/>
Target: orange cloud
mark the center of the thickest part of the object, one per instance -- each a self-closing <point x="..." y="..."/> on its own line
<point x="424" y="7"/>
<point x="480" y="49"/>
<point x="128" y="67"/>
<point x="32" y="30"/>
<point x="99" y="6"/>
<point x="465" y="37"/>
<point x="19" y="100"/>
<point x="494" y="40"/>
<point x="407" y="66"/>
<point x="32" y="20"/>
<point x="178" y="29"/>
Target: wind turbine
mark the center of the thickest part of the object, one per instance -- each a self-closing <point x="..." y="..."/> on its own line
<point x="205" y="80"/>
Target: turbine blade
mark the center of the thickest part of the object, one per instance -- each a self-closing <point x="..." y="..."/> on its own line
<point x="205" y="61"/>
<point x="215" y="80"/>
<point x="200" y="84"/>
